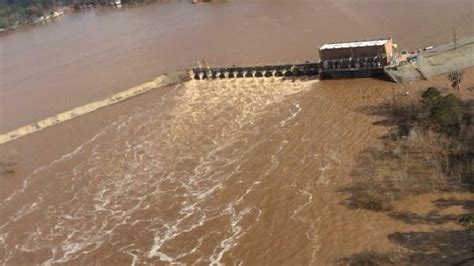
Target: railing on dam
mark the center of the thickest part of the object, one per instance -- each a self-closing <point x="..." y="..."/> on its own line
<point x="287" y="70"/>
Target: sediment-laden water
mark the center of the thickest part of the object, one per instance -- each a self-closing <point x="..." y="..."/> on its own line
<point x="91" y="54"/>
<point x="173" y="186"/>
<point x="247" y="171"/>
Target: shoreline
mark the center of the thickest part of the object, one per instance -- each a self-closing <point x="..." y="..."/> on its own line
<point x="46" y="146"/>
<point x="75" y="62"/>
<point x="57" y="14"/>
<point x="452" y="57"/>
<point x="32" y="146"/>
<point x="260" y="170"/>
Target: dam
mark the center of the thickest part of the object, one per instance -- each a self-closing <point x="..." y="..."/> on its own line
<point x="367" y="58"/>
<point x="364" y="58"/>
<point x="287" y="70"/>
<point x="358" y="59"/>
<point x="338" y="60"/>
<point x="216" y="171"/>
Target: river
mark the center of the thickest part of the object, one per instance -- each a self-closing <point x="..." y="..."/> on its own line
<point x="92" y="53"/>
<point x="243" y="171"/>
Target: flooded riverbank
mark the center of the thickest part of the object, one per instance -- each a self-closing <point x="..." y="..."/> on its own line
<point x="191" y="190"/>
<point x="245" y="171"/>
<point x="162" y="183"/>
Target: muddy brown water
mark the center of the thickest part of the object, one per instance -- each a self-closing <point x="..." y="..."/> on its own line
<point x="233" y="172"/>
<point x="90" y="54"/>
<point x="224" y="172"/>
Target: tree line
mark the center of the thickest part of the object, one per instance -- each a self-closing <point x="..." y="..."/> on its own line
<point x="14" y="13"/>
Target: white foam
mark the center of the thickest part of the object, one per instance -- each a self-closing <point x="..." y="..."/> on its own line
<point x="128" y="173"/>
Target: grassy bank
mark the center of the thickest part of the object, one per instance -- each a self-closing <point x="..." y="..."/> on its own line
<point x="429" y="149"/>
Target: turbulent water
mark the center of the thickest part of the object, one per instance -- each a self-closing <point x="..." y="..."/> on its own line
<point x="239" y="171"/>
<point x="91" y="54"/>
<point x="247" y="171"/>
<point x="177" y="186"/>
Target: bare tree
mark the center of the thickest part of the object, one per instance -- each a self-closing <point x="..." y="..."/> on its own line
<point x="456" y="79"/>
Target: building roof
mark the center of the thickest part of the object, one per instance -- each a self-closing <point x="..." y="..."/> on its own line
<point x="354" y="44"/>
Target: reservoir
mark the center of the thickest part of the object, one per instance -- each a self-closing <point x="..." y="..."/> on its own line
<point x="93" y="53"/>
<point x="233" y="172"/>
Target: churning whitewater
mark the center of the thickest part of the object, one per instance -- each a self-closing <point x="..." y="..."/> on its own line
<point x="162" y="186"/>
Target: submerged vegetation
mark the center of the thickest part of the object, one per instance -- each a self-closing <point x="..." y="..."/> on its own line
<point x="468" y="221"/>
<point x="7" y="167"/>
<point x="432" y="150"/>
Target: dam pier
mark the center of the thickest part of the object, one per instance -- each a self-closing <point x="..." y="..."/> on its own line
<point x="287" y="70"/>
<point x="337" y="60"/>
<point x="358" y="59"/>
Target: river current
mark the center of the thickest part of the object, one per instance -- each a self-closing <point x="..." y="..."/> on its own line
<point x="157" y="186"/>
<point x="244" y="171"/>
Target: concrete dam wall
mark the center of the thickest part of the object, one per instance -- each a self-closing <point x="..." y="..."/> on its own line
<point x="439" y="60"/>
<point x="159" y="82"/>
<point x="286" y="70"/>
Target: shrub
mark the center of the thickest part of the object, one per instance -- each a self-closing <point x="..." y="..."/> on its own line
<point x="456" y="79"/>
<point x="372" y="258"/>
<point x="423" y="160"/>
<point x="400" y="168"/>
<point x="468" y="222"/>
<point x="447" y="113"/>
<point x="431" y="96"/>
<point x="7" y="168"/>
